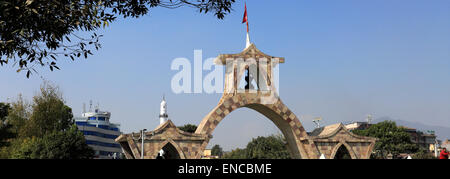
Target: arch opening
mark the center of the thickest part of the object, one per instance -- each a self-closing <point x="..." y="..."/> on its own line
<point x="168" y="152"/>
<point x="282" y="125"/>
<point x="290" y="138"/>
<point x="342" y="153"/>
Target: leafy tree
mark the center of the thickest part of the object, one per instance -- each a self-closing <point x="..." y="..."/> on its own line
<point x="391" y="139"/>
<point x="49" y="113"/>
<point x="235" y="154"/>
<point x="68" y="144"/>
<point x="45" y="129"/>
<point x="5" y="133"/>
<point x="271" y="147"/>
<point x="18" y="114"/>
<point x="423" y="154"/>
<point x="4" y="108"/>
<point x="36" y="32"/>
<point x="188" y="128"/>
<point x="24" y="148"/>
<point x="217" y="150"/>
<point x="5" y="152"/>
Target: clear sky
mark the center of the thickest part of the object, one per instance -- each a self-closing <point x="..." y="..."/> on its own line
<point x="344" y="59"/>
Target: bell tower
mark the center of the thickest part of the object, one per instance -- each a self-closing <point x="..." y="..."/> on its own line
<point x="250" y="71"/>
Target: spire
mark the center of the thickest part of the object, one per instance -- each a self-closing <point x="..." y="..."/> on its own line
<point x="163" y="116"/>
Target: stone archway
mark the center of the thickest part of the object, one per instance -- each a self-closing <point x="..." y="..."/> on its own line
<point x="330" y="138"/>
<point x="345" y="146"/>
<point x="299" y="144"/>
<point x="263" y="99"/>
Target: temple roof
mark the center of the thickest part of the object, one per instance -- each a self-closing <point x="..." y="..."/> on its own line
<point x="249" y="52"/>
<point x="331" y="131"/>
<point x="170" y="125"/>
<point x="327" y="130"/>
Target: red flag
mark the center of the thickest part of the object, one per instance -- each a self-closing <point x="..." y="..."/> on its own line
<point x="245" y="14"/>
<point x="245" y="20"/>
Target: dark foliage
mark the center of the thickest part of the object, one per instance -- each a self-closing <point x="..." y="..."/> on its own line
<point x="37" y="32"/>
<point x="5" y="133"/>
<point x="391" y="139"/>
<point x="217" y="151"/>
<point x="271" y="147"/>
<point x="188" y="128"/>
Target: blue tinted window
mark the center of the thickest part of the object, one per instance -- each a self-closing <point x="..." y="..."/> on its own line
<point x="81" y="123"/>
<point x="99" y="126"/>
<point x="103" y="126"/>
<point x="84" y="124"/>
<point x="101" y="118"/>
<point x="92" y="118"/>
<point x="98" y="134"/>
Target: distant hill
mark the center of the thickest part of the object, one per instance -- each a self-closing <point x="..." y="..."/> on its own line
<point x="441" y="132"/>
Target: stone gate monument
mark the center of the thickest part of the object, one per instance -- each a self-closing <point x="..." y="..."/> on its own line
<point x="260" y="94"/>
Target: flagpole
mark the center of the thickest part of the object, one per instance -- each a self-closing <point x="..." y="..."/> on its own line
<point x="247" y="44"/>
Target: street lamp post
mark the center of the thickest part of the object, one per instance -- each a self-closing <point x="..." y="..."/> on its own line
<point x="436" y="145"/>
<point x="142" y="139"/>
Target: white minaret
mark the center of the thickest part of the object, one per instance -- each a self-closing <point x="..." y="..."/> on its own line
<point x="163" y="117"/>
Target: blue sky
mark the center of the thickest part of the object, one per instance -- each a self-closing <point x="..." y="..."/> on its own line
<point x="344" y="59"/>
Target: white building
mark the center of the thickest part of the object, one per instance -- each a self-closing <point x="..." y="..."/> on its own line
<point x="100" y="133"/>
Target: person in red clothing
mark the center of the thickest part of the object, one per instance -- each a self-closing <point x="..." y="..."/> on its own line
<point x="444" y="154"/>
